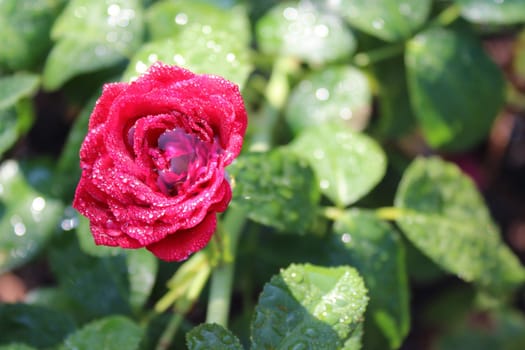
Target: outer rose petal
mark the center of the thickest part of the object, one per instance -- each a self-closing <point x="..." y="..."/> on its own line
<point x="179" y="245"/>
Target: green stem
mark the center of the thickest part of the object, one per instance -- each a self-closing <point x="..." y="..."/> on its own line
<point x="390" y="213"/>
<point x="364" y="59"/>
<point x="169" y="332"/>
<point x="447" y="16"/>
<point x="222" y="277"/>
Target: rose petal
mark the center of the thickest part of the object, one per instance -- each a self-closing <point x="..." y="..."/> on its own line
<point x="179" y="245"/>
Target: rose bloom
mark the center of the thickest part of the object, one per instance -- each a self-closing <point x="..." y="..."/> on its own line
<point x="153" y="160"/>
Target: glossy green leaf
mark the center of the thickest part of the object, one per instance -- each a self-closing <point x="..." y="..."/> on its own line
<point x="456" y="91"/>
<point x="33" y="325"/>
<point x="212" y="336"/>
<point x="348" y="164"/>
<point x="396" y="118"/>
<point x="276" y="189"/>
<point x="142" y="272"/>
<point x="81" y="277"/>
<point x="28" y="217"/>
<point x="298" y="29"/>
<point x="91" y="35"/>
<point x="308" y="306"/>
<point x="68" y="169"/>
<point x="111" y="333"/>
<point x="25" y="30"/>
<point x="336" y="94"/>
<point x="198" y="49"/>
<point x="375" y="249"/>
<point x="14" y="123"/>
<point x="16" y="346"/>
<point x="390" y="20"/>
<point x="444" y="215"/>
<point x="14" y="87"/>
<point x="493" y="11"/>
<point x="166" y="19"/>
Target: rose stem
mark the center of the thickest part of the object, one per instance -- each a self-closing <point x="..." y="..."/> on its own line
<point x="276" y="94"/>
<point x="222" y="277"/>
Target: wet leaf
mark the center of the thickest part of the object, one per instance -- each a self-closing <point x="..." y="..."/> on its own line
<point x="25" y="31"/>
<point x="111" y="333"/>
<point x="348" y="164"/>
<point x="90" y="35"/>
<point x="142" y="272"/>
<point x="298" y="29"/>
<point x="16" y="86"/>
<point x="81" y="276"/>
<point x="33" y="325"/>
<point x="86" y="241"/>
<point x="396" y="118"/>
<point x="375" y="249"/>
<point x="212" y="336"/>
<point x="16" y="346"/>
<point x="390" y="20"/>
<point x="166" y="19"/>
<point x="217" y="52"/>
<point x="28" y="217"/>
<point x="493" y="11"/>
<point x="456" y="91"/>
<point x="276" y="189"/>
<point x="309" y="306"/>
<point x="445" y="217"/>
<point x="336" y="94"/>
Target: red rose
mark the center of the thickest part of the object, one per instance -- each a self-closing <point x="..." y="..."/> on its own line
<point x="153" y="160"/>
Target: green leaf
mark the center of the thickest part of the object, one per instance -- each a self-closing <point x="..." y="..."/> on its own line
<point x="28" y="219"/>
<point x="212" y="336"/>
<point x="166" y="19"/>
<point x="110" y="333"/>
<point x="396" y="118"/>
<point x="91" y="35"/>
<point x="34" y="325"/>
<point x="348" y="164"/>
<point x="300" y="30"/>
<point x="216" y="47"/>
<point x="444" y="215"/>
<point x="25" y="31"/>
<point x="14" y="123"/>
<point x="335" y="94"/>
<point x="309" y="306"/>
<point x="16" y="86"/>
<point x="390" y="20"/>
<point x="456" y="91"/>
<point x="375" y="249"/>
<point x="276" y="189"/>
<point x="81" y="277"/>
<point x="16" y="346"/>
<point x="142" y="272"/>
<point x="493" y="11"/>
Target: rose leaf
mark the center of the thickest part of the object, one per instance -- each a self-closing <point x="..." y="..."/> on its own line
<point x="444" y="216"/>
<point x="212" y="336"/>
<point x="492" y="12"/>
<point x="337" y="94"/>
<point x="110" y="333"/>
<point x="375" y="249"/>
<point x="276" y="189"/>
<point x="348" y="164"/>
<point x="309" y="305"/>
<point x="455" y="89"/>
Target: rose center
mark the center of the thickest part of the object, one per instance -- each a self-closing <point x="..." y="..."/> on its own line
<point x="183" y="157"/>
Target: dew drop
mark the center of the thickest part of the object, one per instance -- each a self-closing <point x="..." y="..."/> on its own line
<point x="324" y="184"/>
<point x="378" y="23"/>
<point x="181" y="19"/>
<point x="322" y="94"/>
<point x="290" y="13"/>
<point x="178" y="59"/>
<point x="346" y="237"/>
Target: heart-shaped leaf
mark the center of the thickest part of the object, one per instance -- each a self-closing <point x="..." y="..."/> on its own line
<point x="212" y="336"/>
